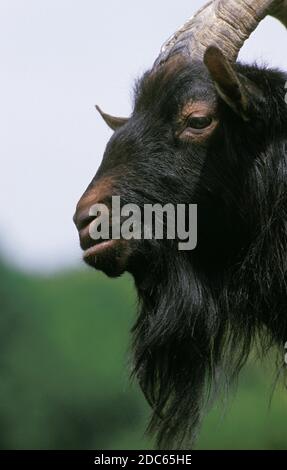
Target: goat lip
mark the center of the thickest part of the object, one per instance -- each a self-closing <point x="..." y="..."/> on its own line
<point x="109" y="256"/>
<point x="98" y="248"/>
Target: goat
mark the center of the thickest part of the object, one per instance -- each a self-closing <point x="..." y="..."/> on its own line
<point x="210" y="131"/>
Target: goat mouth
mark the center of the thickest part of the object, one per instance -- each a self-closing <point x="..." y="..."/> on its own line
<point x="98" y="248"/>
<point x="109" y="256"/>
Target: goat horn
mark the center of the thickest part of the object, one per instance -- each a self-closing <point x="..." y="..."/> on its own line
<point x="226" y="24"/>
<point x="113" y="122"/>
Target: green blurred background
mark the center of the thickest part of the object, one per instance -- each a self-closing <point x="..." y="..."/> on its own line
<point x="65" y="365"/>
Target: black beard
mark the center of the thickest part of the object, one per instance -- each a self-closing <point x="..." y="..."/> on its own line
<point x="192" y="337"/>
<point x="175" y="348"/>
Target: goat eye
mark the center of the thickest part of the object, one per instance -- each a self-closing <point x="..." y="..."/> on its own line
<point x="199" y="122"/>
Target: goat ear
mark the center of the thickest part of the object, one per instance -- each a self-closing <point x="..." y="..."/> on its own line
<point x="240" y="93"/>
<point x="112" y="121"/>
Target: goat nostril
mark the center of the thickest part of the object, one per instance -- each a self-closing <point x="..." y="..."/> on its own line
<point x="82" y="219"/>
<point x="83" y="222"/>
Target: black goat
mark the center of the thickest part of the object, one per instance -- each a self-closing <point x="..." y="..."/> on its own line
<point x="211" y="133"/>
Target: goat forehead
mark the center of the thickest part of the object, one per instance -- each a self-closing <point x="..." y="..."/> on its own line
<point x="172" y="85"/>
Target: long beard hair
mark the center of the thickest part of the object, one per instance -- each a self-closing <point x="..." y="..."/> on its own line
<point x="193" y="333"/>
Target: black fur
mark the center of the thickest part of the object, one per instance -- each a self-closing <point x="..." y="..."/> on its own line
<point x="201" y="312"/>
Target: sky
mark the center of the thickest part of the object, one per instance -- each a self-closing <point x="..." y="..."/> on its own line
<point x="58" y="59"/>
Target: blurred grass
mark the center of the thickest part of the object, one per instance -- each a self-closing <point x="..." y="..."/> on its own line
<point x="64" y="372"/>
